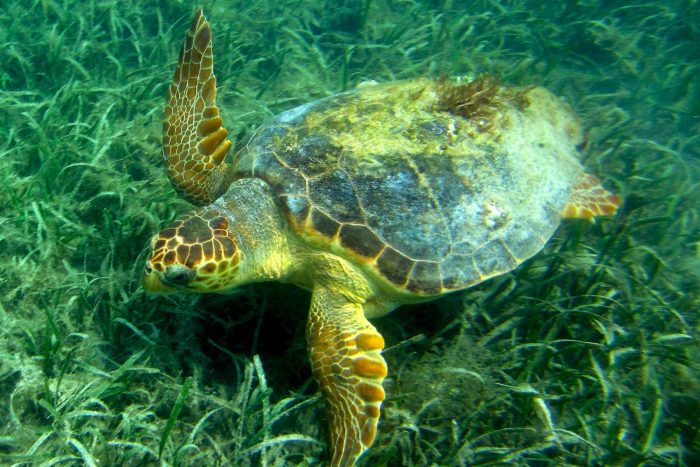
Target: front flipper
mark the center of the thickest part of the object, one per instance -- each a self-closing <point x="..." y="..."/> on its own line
<point x="345" y="351"/>
<point x="194" y="140"/>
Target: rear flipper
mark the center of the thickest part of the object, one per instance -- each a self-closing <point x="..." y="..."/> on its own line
<point x="589" y="199"/>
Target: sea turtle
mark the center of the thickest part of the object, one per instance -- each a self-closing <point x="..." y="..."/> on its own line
<point x="380" y="196"/>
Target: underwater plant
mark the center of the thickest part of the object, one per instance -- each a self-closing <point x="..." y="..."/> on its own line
<point x="587" y="354"/>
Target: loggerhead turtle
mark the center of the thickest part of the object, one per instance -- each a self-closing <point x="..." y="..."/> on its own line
<point x="384" y="195"/>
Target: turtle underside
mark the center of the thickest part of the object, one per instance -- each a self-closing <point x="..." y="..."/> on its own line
<point x="432" y="185"/>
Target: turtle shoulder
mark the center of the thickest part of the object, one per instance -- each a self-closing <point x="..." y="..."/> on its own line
<point x="425" y="189"/>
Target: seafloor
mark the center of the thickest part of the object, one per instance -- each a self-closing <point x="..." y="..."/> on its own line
<point x="586" y="355"/>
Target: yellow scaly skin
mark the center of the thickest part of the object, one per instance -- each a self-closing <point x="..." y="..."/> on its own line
<point x="242" y="238"/>
<point x="344" y="348"/>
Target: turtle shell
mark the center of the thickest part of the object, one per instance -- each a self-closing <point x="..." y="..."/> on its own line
<point x="432" y="185"/>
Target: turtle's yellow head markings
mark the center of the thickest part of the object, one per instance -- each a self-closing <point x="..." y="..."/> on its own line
<point x="197" y="253"/>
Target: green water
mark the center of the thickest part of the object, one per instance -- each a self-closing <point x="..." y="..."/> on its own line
<point x="586" y="355"/>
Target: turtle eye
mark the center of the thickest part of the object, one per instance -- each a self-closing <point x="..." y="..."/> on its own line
<point x="178" y="275"/>
<point x="148" y="269"/>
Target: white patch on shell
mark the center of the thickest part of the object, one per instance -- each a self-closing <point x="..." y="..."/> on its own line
<point x="367" y="83"/>
<point x="451" y="132"/>
<point x="399" y="182"/>
<point x="295" y="204"/>
<point x="494" y="217"/>
<point x="291" y="115"/>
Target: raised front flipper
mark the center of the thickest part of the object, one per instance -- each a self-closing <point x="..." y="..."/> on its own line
<point x="589" y="199"/>
<point x="345" y="351"/>
<point x="194" y="140"/>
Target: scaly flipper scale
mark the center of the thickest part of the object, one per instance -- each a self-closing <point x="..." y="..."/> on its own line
<point x="194" y="140"/>
<point x="589" y="199"/>
<point x="345" y="351"/>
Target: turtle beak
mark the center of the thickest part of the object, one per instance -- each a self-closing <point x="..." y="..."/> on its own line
<point x="153" y="284"/>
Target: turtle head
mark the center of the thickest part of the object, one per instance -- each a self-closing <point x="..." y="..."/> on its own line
<point x="197" y="253"/>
